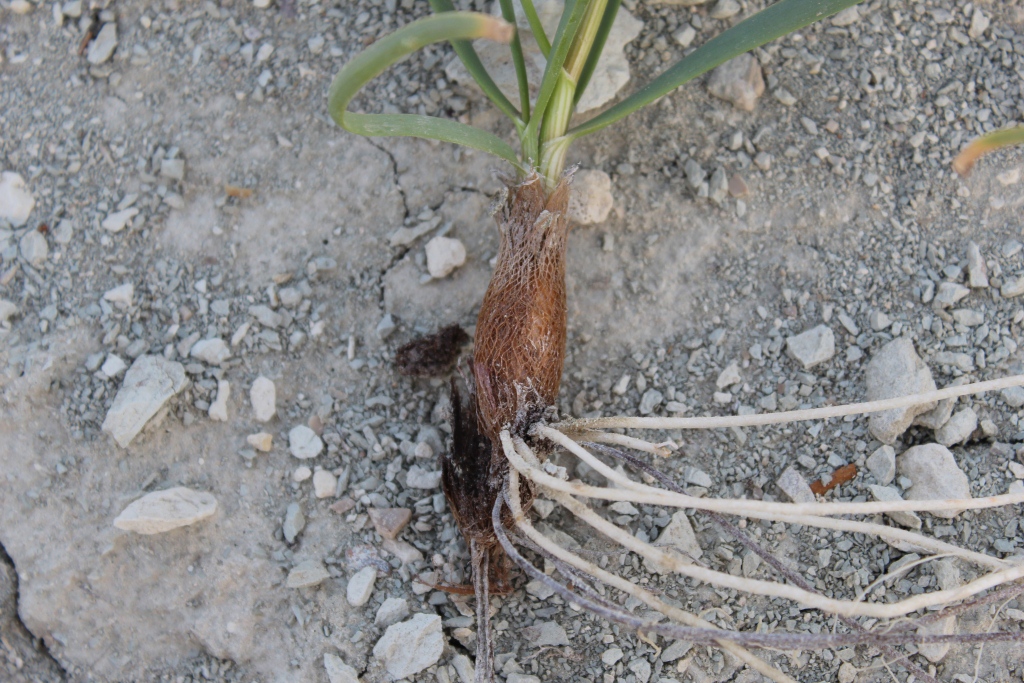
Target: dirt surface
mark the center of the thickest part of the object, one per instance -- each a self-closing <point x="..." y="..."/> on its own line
<point x="852" y="219"/>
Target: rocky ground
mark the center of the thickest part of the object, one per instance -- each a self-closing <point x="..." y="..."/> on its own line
<point x="202" y="288"/>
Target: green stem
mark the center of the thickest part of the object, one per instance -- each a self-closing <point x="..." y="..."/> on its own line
<point x="509" y="14"/>
<point x="538" y="29"/>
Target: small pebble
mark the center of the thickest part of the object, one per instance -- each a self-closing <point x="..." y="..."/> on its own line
<point x="261" y="441"/>
<point x="303" y="443"/>
<point x="444" y="255"/>
<point x="887" y="494"/>
<point x="389" y="522"/>
<point x="307" y="573"/>
<point x="263" y="397"/>
<point x="896" y="370"/>
<point x="301" y="474"/>
<point x="337" y="670"/>
<point x="408" y="647"/>
<point x="219" y="408"/>
<point x="33" y="248"/>
<point x="958" y="429"/>
<point x="591" y="199"/>
<point x="325" y="484"/>
<point x="121" y="295"/>
<point x="360" y="586"/>
<point x="738" y="80"/>
<point x="113" y="366"/>
<point x="391" y="611"/>
<point x="976" y="268"/>
<point x="161" y="511"/>
<point x="294" y="522"/>
<point x="934" y="474"/>
<point x="791" y="483"/>
<point x="813" y="347"/>
<point x="103" y="45"/>
<point x="211" y="351"/>
<point x="419" y="478"/>
<point x="882" y="464"/>
<point x="116" y="222"/>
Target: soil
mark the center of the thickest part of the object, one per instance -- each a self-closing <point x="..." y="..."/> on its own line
<point x="852" y="211"/>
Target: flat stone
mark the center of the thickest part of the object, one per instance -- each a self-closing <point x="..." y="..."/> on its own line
<point x="738" y="81"/>
<point x="303" y="443"/>
<point x="150" y="382"/>
<point x="968" y="317"/>
<point x="882" y="464"/>
<point x="612" y="655"/>
<point x="948" y="293"/>
<point x="896" y="370"/>
<point x="219" y="408"/>
<point x="729" y="376"/>
<point x="816" y="345"/>
<point x="307" y="573"/>
<point x="1013" y="396"/>
<point x="33" y="248"/>
<point x="408" y="647"/>
<point x="591" y="199"/>
<point x="266" y="316"/>
<point x="887" y="494"/>
<point x="1012" y="287"/>
<point x="122" y="295"/>
<point x="294" y="522"/>
<point x="391" y="611"/>
<point x="360" y="586"/>
<point x="651" y="399"/>
<point x="685" y="36"/>
<point x="389" y="522"/>
<point x="641" y="669"/>
<point x="958" y="429"/>
<point x="325" y="484"/>
<point x="724" y="9"/>
<point x="935" y="476"/>
<point x="103" y="46"/>
<point x="419" y="478"/>
<point x="263" y="398"/>
<point x="261" y="441"/>
<point x="879" y="320"/>
<point x="979" y="24"/>
<point x="211" y="351"/>
<point x="113" y="366"/>
<point x="936" y="652"/>
<point x="464" y="668"/>
<point x="546" y="634"/>
<point x="792" y="483"/>
<point x="846" y="17"/>
<point x="173" y="169"/>
<point x="444" y="255"/>
<point x="977" y="270"/>
<point x="117" y="221"/>
<point x="678" y="540"/>
<point x="337" y="670"/>
<point x="162" y="511"/>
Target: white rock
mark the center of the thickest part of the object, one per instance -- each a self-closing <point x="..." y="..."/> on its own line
<point x="467" y="672"/>
<point x="879" y="320"/>
<point x="896" y="370"/>
<point x="411" y="646"/>
<point x="812" y="347"/>
<point x="162" y="511"/>
<point x="21" y="6"/>
<point x="102" y="47"/>
<point x="261" y="441"/>
<point x="651" y="399"/>
<point x="419" y="478"/>
<point x="685" y="36"/>
<point x="641" y="668"/>
<point x="113" y="366"/>
<point x="546" y="634"/>
<point x="219" y="408"/>
<point x="337" y="670"/>
<point x="307" y="573"/>
<point x="977" y="269"/>
<point x="294" y="522"/>
<point x="678" y="540"/>
<point x="729" y="376"/>
<point x="261" y="4"/>
<point x="935" y="476"/>
<point x="303" y="443"/>
<point x="591" y="199"/>
<point x="791" y="483"/>
<point x="211" y="351"/>
<point x="324" y="484"/>
<point x="173" y="168"/>
<point x="117" y="221"/>
<point x="936" y="652"/>
<point x="403" y="551"/>
<point x="948" y="293"/>
<point x="612" y="655"/>
<point x="8" y="309"/>
<point x="392" y="611"/>
<point x="738" y="81"/>
<point x="263" y="397"/>
<point x="724" y="9"/>
<point x="979" y="24"/>
<point x="901" y="517"/>
<point x="1013" y="396"/>
<point x="122" y="294"/>
<point x="33" y="248"/>
<point x="16" y="202"/>
<point x="150" y="382"/>
<point x="444" y="254"/>
<point x="882" y="464"/>
<point x="1012" y="287"/>
<point x="958" y="429"/>
<point x="848" y="16"/>
<point x="301" y="474"/>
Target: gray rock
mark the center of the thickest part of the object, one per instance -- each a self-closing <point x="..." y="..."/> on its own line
<point x="266" y="316"/>
<point x="677" y="539"/>
<point x="695" y="174"/>
<point x="651" y="399"/>
<point x="386" y="326"/>
<point x="1013" y="396"/>
<point x="162" y="511"/>
<point x="117" y="221"/>
<point x="882" y="464"/>
<point x="934" y="474"/>
<point x="792" y="483"/>
<point x="685" y="36"/>
<point x="360" y="586"/>
<point x="901" y="517"/>
<point x="113" y="366"/>
<point x="263" y="397"/>
<point x="102" y="47"/>
<point x="968" y="317"/>
<point x="958" y="429"/>
<point x="846" y="17"/>
<point x="725" y="9"/>
<point x="1012" y="287"/>
<point x="294" y="522"/>
<point x="879" y="320"/>
<point x="641" y="668"/>
<point x="896" y="370"/>
<point x="419" y="478"/>
<point x="949" y="293"/>
<point x="738" y="81"/>
<point x="307" y="573"/>
<point x="338" y="671"/>
<point x="464" y="668"/>
<point x="122" y="295"/>
<point x="33" y="248"/>
<point x="979" y="24"/>
<point x="211" y="351"/>
<point x="718" y="186"/>
<point x="173" y="169"/>
<point x="150" y="382"/>
<point x="977" y="270"/>
<point x="411" y="646"/>
<point x="392" y="611"/>
<point x="16" y="202"/>
<point x="303" y="443"/>
<point x="546" y="633"/>
<point x="812" y="347"/>
<point x="936" y="652"/>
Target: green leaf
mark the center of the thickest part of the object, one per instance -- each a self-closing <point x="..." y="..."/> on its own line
<point x="391" y="48"/>
<point x="471" y="60"/>
<point x="781" y="18"/>
<point x="509" y="14"/>
<point x="991" y="142"/>
<point x="611" y="10"/>
<point x="536" y="27"/>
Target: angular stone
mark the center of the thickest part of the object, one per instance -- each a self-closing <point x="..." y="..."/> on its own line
<point x="949" y="293"/>
<point x="122" y="295"/>
<point x="887" y="494"/>
<point x="219" y="408"/>
<point x="113" y="366"/>
<point x="116" y="222"/>
<point x="162" y="511"/>
<point x="977" y="269"/>
<point x="211" y="351"/>
<point x="812" y="347"/>
<point x="325" y="484"/>
<point x="360" y="586"/>
<point x="389" y="522"/>
<point x="16" y="202"/>
<point x="294" y="522"/>
<point x="303" y="443"/>
<point x="307" y="573"/>
<point x="33" y="248"/>
<point x="419" y="478"/>
<point x="261" y="441"/>
<point x="337" y="670"/>
<point x="411" y="646"/>
<point x="882" y="464"/>
<point x="391" y="611"/>
<point x="1013" y="396"/>
<point x="936" y="652"/>
<point x="546" y="634"/>
<point x="791" y="483"/>
<point x="263" y="397"/>
<point x="846" y="17"/>
<point x="678" y="540"/>
<point x="8" y="309"/>
<point x="729" y="376"/>
<point x="738" y="81"/>
<point x="444" y="254"/>
<point x="102" y="47"/>
<point x="896" y="370"/>
<point x="150" y="382"/>
<point x="958" y="429"/>
<point x="935" y="476"/>
<point x="403" y="551"/>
